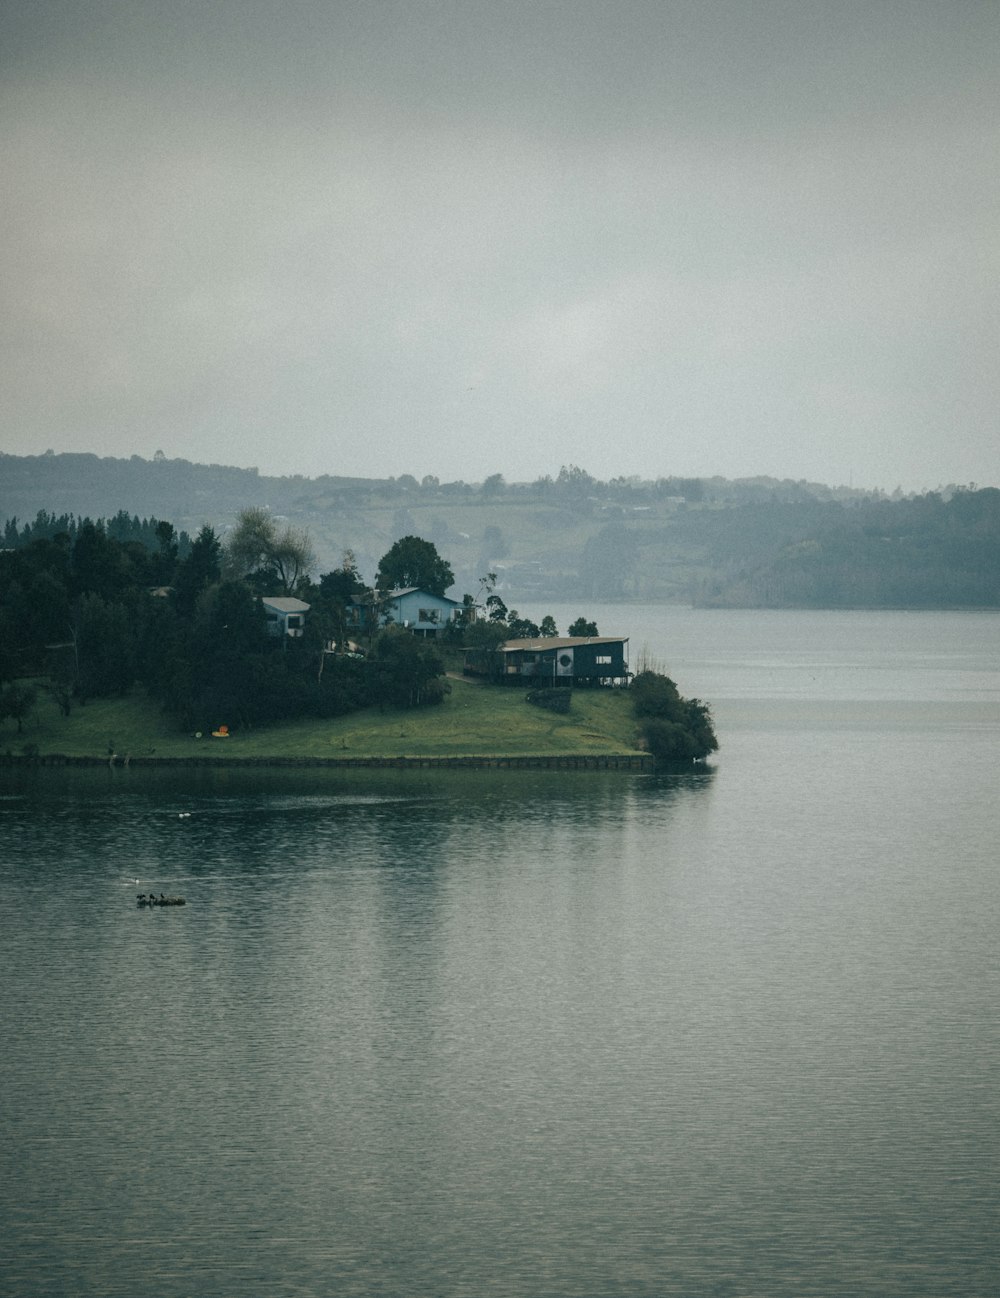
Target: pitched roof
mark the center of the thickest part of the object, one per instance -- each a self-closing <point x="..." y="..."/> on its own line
<point x="419" y="590"/>
<point x="535" y="643"/>
<point x="285" y="604"/>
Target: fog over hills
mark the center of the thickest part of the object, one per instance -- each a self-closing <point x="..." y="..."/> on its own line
<point x="745" y="542"/>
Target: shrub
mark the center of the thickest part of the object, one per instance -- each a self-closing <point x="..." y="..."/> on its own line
<point x="17" y="701"/>
<point x="655" y="695"/>
<point x="675" y="729"/>
<point x="554" y="700"/>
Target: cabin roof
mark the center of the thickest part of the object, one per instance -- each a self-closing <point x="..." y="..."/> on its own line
<point x="534" y="643"/>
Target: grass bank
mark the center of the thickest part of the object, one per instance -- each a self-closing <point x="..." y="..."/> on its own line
<point x="475" y="720"/>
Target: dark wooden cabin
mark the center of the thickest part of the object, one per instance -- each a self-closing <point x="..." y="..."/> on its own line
<point x="554" y="660"/>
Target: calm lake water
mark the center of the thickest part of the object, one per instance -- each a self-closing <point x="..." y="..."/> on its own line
<point x="731" y="1032"/>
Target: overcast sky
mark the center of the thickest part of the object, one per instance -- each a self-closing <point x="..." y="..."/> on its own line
<point x="463" y="238"/>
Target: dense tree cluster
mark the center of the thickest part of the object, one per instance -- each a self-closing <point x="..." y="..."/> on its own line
<point x="922" y="552"/>
<point x="412" y="561"/>
<point x="675" y="729"/>
<point x="127" y="528"/>
<point x="93" y="615"/>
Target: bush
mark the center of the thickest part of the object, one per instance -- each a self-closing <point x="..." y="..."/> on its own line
<point x="343" y="688"/>
<point x="17" y="701"/>
<point x="554" y="700"/>
<point x="675" y="729"/>
<point x="668" y="741"/>
<point x="655" y="695"/>
<point x="404" y="672"/>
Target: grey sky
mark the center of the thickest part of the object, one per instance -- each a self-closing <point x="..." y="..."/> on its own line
<point x="465" y="238"/>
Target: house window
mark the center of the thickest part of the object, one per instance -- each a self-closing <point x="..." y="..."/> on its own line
<point x="294" y="620"/>
<point x="428" y="615"/>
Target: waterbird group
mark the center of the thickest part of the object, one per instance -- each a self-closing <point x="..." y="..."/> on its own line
<point x="152" y="900"/>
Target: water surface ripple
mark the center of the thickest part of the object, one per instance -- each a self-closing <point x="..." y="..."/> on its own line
<point x="730" y="1032"/>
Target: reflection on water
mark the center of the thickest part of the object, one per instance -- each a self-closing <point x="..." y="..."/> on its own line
<point x="726" y="1032"/>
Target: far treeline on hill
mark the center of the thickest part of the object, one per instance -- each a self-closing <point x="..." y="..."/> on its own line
<point x="224" y="640"/>
<point x="749" y="543"/>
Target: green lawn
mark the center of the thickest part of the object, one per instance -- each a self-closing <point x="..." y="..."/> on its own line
<point x="474" y="720"/>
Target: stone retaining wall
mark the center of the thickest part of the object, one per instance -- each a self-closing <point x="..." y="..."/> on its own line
<point x="565" y="762"/>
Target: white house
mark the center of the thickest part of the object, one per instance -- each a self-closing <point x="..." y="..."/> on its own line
<point x="416" y="610"/>
<point x="420" y="612"/>
<point x="285" y="615"/>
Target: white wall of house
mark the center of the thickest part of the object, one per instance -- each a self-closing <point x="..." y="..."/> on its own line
<point x="285" y="616"/>
<point x="422" y="613"/>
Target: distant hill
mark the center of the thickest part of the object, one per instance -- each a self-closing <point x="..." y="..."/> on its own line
<point x="760" y="542"/>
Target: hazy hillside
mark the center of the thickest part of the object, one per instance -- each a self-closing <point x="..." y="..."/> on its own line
<point x="751" y="542"/>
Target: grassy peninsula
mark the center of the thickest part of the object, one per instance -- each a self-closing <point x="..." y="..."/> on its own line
<point x="473" y="721"/>
<point x="120" y="650"/>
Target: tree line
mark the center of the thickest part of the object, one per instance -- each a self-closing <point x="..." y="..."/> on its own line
<point x="91" y="609"/>
<point x="95" y="609"/>
<point x="755" y="542"/>
<point x="922" y="552"/>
